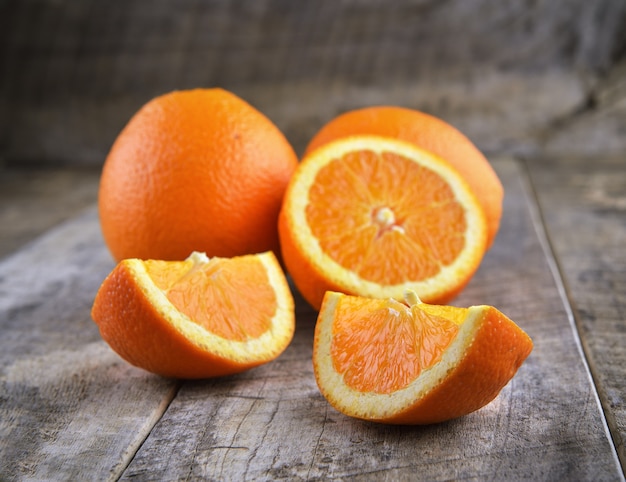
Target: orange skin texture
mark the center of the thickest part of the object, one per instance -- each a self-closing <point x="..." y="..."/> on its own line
<point x="498" y="350"/>
<point x="140" y="335"/>
<point x="198" y="170"/>
<point x="429" y="133"/>
<point x="136" y="339"/>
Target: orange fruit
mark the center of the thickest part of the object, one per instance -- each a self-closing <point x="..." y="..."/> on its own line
<point x="413" y="363"/>
<point x="375" y="216"/>
<point x="196" y="318"/>
<point x="429" y="133"/>
<point x="195" y="170"/>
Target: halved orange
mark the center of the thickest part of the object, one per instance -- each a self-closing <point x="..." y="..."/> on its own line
<point x="375" y="216"/>
<point x="196" y="318"/>
<point x="410" y="362"/>
<point x="430" y="133"/>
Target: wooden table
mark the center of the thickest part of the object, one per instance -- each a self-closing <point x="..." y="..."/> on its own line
<point x="531" y="84"/>
<point x="71" y="409"/>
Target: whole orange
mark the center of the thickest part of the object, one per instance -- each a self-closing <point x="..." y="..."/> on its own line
<point x="195" y="170"/>
<point x="432" y="134"/>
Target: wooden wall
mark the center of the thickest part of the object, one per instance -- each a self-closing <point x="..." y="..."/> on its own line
<point x="73" y="71"/>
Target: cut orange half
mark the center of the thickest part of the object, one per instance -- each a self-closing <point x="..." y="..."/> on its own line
<point x="410" y="362"/>
<point x="196" y="318"/>
<point x="430" y="133"/>
<point x="375" y="216"/>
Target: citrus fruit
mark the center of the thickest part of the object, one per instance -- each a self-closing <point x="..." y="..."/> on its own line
<point x="194" y="170"/>
<point x="375" y="216"/>
<point x="410" y="362"/>
<point x="432" y="134"/>
<point x="196" y="318"/>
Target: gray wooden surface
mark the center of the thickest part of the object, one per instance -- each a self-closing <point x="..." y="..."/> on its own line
<point x="72" y="410"/>
<point x="586" y="219"/>
<point x="540" y="87"/>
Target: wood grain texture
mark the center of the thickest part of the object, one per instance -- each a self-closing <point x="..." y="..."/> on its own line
<point x="272" y="423"/>
<point x="584" y="206"/>
<point x="598" y="132"/>
<point x="33" y="201"/>
<point x="70" y="409"/>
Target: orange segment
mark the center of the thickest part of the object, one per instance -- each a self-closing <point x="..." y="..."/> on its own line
<point x="413" y="363"/>
<point x="374" y="216"/>
<point x="196" y="318"/>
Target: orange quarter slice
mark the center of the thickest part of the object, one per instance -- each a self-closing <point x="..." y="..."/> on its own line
<point x="410" y="362"/>
<point x="196" y="318"/>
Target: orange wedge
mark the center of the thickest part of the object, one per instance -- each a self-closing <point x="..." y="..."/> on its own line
<point x="410" y="362"/>
<point x="375" y="216"/>
<point x="196" y="318"/>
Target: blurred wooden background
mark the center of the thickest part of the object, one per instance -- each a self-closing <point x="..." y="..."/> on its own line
<point x="514" y="75"/>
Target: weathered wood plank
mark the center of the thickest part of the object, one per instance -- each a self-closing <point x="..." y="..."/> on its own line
<point x="35" y="200"/>
<point x="272" y="423"/>
<point x="584" y="205"/>
<point x="597" y="132"/>
<point x="70" y="409"/>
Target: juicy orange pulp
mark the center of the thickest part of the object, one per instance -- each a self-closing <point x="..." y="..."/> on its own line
<point x="430" y="133"/>
<point x="373" y="216"/>
<point x="217" y="309"/>
<point x="384" y="349"/>
<point x="418" y="227"/>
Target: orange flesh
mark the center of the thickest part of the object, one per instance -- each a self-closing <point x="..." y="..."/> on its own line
<point x="208" y="294"/>
<point x="385" y="217"/>
<point x="383" y="345"/>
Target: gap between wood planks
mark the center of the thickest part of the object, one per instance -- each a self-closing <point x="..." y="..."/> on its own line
<point x="538" y="220"/>
<point x="131" y="452"/>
